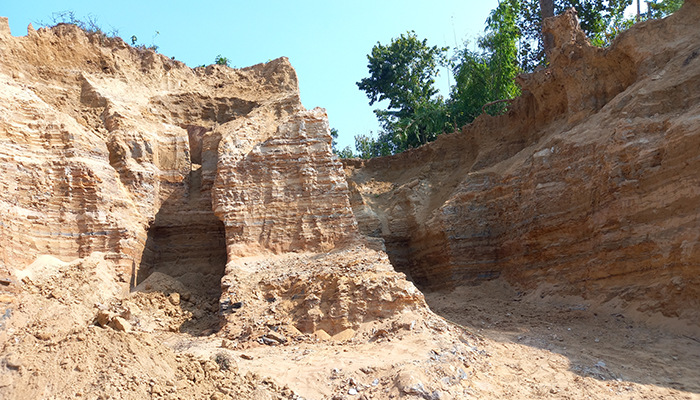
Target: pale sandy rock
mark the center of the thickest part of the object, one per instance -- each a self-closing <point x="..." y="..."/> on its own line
<point x="408" y="381"/>
<point x="287" y="193"/>
<point x="322" y="335"/>
<point x="308" y="292"/>
<point x="121" y="324"/>
<point x="104" y="317"/>
<point x="128" y="180"/>
<point x="119" y="155"/>
<point x="587" y="184"/>
<point x="346" y="334"/>
<point x="174" y="298"/>
<point x="4" y="27"/>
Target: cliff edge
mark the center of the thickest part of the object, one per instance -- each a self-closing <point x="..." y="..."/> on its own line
<point x="587" y="186"/>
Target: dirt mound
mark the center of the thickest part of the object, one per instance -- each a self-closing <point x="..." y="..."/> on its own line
<point x="160" y="340"/>
<point x="98" y="363"/>
<point x="72" y="322"/>
<point x="325" y="295"/>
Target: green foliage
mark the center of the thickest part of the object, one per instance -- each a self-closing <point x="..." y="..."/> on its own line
<point x="429" y="119"/>
<point x="346" y="152"/>
<point x="656" y="9"/>
<point x="153" y="46"/>
<point x="471" y="89"/>
<point x="219" y="60"/>
<point x="601" y="20"/>
<point x="661" y="9"/>
<point x="500" y="43"/>
<point x="488" y="75"/>
<point x="403" y="73"/>
<point x="334" y="139"/>
<point x="367" y="146"/>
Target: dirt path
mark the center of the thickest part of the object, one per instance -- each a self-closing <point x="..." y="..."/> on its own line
<point x="544" y="348"/>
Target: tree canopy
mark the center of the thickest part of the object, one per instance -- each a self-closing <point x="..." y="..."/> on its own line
<point x="403" y="73"/>
<point x="598" y="19"/>
<point x="601" y="20"/>
<point x="488" y="74"/>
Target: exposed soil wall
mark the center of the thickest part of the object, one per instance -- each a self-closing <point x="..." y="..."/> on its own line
<point x="168" y="232"/>
<point x="588" y="183"/>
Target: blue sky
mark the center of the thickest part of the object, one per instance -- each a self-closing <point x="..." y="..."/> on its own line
<point x="327" y="42"/>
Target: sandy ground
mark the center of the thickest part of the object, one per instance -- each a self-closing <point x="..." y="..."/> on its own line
<point x="483" y="342"/>
<point x="563" y="348"/>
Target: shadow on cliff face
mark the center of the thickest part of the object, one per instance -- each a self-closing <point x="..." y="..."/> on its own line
<point x="598" y="344"/>
<point x="187" y="242"/>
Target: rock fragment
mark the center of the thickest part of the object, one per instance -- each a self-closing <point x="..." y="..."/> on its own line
<point x="121" y="324"/>
<point x="174" y="298"/>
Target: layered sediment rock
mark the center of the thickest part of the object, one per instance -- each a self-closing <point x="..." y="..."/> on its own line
<point x="114" y="149"/>
<point x="158" y="168"/>
<point x="328" y="294"/>
<point x="588" y="183"/>
<point x="287" y="193"/>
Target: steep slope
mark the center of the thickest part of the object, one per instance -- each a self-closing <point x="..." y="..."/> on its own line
<point x="588" y="184"/>
<point x="114" y="149"/>
<point x="176" y="205"/>
<point x="169" y="232"/>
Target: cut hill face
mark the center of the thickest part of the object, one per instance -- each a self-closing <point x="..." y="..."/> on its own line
<point x="588" y="186"/>
<point x="120" y="150"/>
<point x="143" y="196"/>
<point x="168" y="232"/>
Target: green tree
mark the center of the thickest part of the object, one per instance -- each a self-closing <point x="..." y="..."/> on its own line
<point x="429" y="119"/>
<point x="403" y="73"/>
<point x="367" y="146"/>
<point x="618" y="23"/>
<point x="661" y="9"/>
<point x="487" y="75"/>
<point x="334" y="139"/>
<point x="345" y="152"/>
<point x="599" y="19"/>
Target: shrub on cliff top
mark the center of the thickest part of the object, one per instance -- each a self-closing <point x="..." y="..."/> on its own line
<point x="219" y="60"/>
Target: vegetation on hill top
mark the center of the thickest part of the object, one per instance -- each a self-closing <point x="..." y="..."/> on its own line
<point x="403" y="71"/>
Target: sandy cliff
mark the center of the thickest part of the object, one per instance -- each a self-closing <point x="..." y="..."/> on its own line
<point x="123" y="151"/>
<point x="146" y="204"/>
<point x="114" y="149"/>
<point x="178" y="233"/>
<point x="587" y="186"/>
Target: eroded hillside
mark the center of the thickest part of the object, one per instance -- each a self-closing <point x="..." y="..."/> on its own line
<point x="588" y="186"/>
<point x="179" y="233"/>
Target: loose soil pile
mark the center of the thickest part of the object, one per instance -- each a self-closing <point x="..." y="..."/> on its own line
<point x="63" y="340"/>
